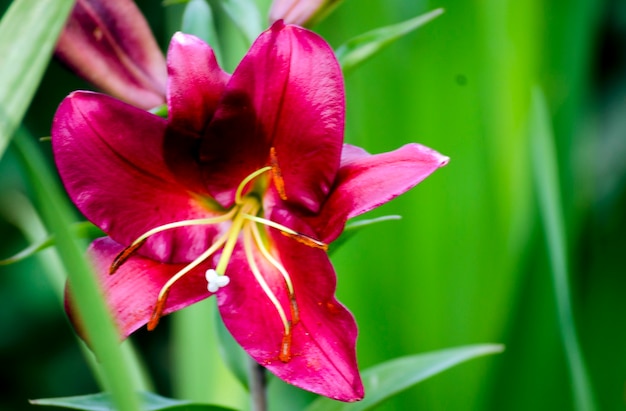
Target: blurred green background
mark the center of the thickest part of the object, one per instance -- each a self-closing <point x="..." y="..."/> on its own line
<point x="468" y="263"/>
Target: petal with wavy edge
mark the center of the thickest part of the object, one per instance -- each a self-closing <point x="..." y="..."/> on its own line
<point x="110" y="158"/>
<point x="323" y="342"/>
<point x="286" y="93"/>
<point x="195" y="82"/>
<point x="109" y="43"/>
<point x="131" y="293"/>
<point x="366" y="181"/>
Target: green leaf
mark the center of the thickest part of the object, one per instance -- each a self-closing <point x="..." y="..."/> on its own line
<point x="358" y="49"/>
<point x="548" y="194"/>
<point x="246" y="16"/>
<point x="117" y="371"/>
<point x="103" y="402"/>
<point x="198" y="20"/>
<point x="355" y="226"/>
<point x="385" y="380"/>
<point x="28" y="34"/>
<point x="83" y="229"/>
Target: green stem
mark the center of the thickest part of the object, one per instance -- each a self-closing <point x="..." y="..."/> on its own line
<point x="548" y="192"/>
<point x="258" y="386"/>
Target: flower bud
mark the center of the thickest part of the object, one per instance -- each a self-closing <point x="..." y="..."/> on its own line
<point x="304" y="13"/>
<point x="109" y="44"/>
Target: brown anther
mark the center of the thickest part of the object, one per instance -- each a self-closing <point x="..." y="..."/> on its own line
<point x="158" y="311"/>
<point x="295" y="313"/>
<point x="277" y="175"/>
<point x="124" y="255"/>
<point x="307" y="240"/>
<point x="285" y="347"/>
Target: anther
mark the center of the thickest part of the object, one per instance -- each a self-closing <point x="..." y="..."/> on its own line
<point x="157" y="313"/>
<point x="306" y="240"/>
<point x="285" y="347"/>
<point x="295" y="313"/>
<point x="125" y="255"/>
<point x="277" y="175"/>
<point x="216" y="281"/>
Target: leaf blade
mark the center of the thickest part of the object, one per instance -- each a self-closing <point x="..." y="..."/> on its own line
<point x="387" y="379"/>
<point x="28" y="33"/>
<point x="360" y="48"/>
<point x="103" y="402"/>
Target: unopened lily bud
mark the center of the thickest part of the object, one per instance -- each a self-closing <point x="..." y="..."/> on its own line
<point x="109" y="44"/>
<point x="304" y="13"/>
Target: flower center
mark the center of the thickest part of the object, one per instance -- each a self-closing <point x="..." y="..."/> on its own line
<point x="245" y="219"/>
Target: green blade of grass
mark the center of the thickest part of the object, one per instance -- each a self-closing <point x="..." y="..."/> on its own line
<point x="97" y="323"/>
<point x="550" y="208"/>
<point x="28" y="34"/>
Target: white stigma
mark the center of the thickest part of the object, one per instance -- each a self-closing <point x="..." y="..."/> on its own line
<point x="216" y="281"/>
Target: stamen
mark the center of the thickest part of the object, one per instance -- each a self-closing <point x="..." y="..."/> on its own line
<point x="247" y="241"/>
<point x="132" y="249"/>
<point x="295" y="313"/>
<point x="299" y="237"/>
<point x="245" y="181"/>
<point x="165" y="290"/>
<point x="279" y="182"/>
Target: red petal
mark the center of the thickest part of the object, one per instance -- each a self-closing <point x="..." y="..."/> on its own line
<point x="287" y="93"/>
<point x="195" y="82"/>
<point x="110" y="158"/>
<point x="110" y="44"/>
<point x="366" y="181"/>
<point x="131" y="293"/>
<point x="323" y="342"/>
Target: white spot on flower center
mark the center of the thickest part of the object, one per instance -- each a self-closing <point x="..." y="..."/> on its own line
<point x="216" y="281"/>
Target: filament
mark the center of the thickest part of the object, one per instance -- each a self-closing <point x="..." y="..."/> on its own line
<point x="128" y="252"/>
<point x="301" y="238"/>
<point x="158" y="309"/>
<point x="248" y="179"/>
<point x="247" y="241"/>
<point x="295" y="313"/>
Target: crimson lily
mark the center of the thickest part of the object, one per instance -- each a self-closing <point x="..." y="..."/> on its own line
<point x="109" y="44"/>
<point x="236" y="194"/>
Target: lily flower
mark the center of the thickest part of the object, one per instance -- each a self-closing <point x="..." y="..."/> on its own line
<point x="237" y="194"/>
<point x="109" y="44"/>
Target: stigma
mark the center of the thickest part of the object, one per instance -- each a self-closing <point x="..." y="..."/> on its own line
<point x="245" y="224"/>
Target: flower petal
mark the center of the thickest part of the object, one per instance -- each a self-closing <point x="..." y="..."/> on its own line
<point x="366" y="181"/>
<point x="286" y="93"/>
<point x="110" y="157"/>
<point x="323" y="358"/>
<point x="195" y="82"/>
<point x="131" y="293"/>
<point x="110" y="44"/>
